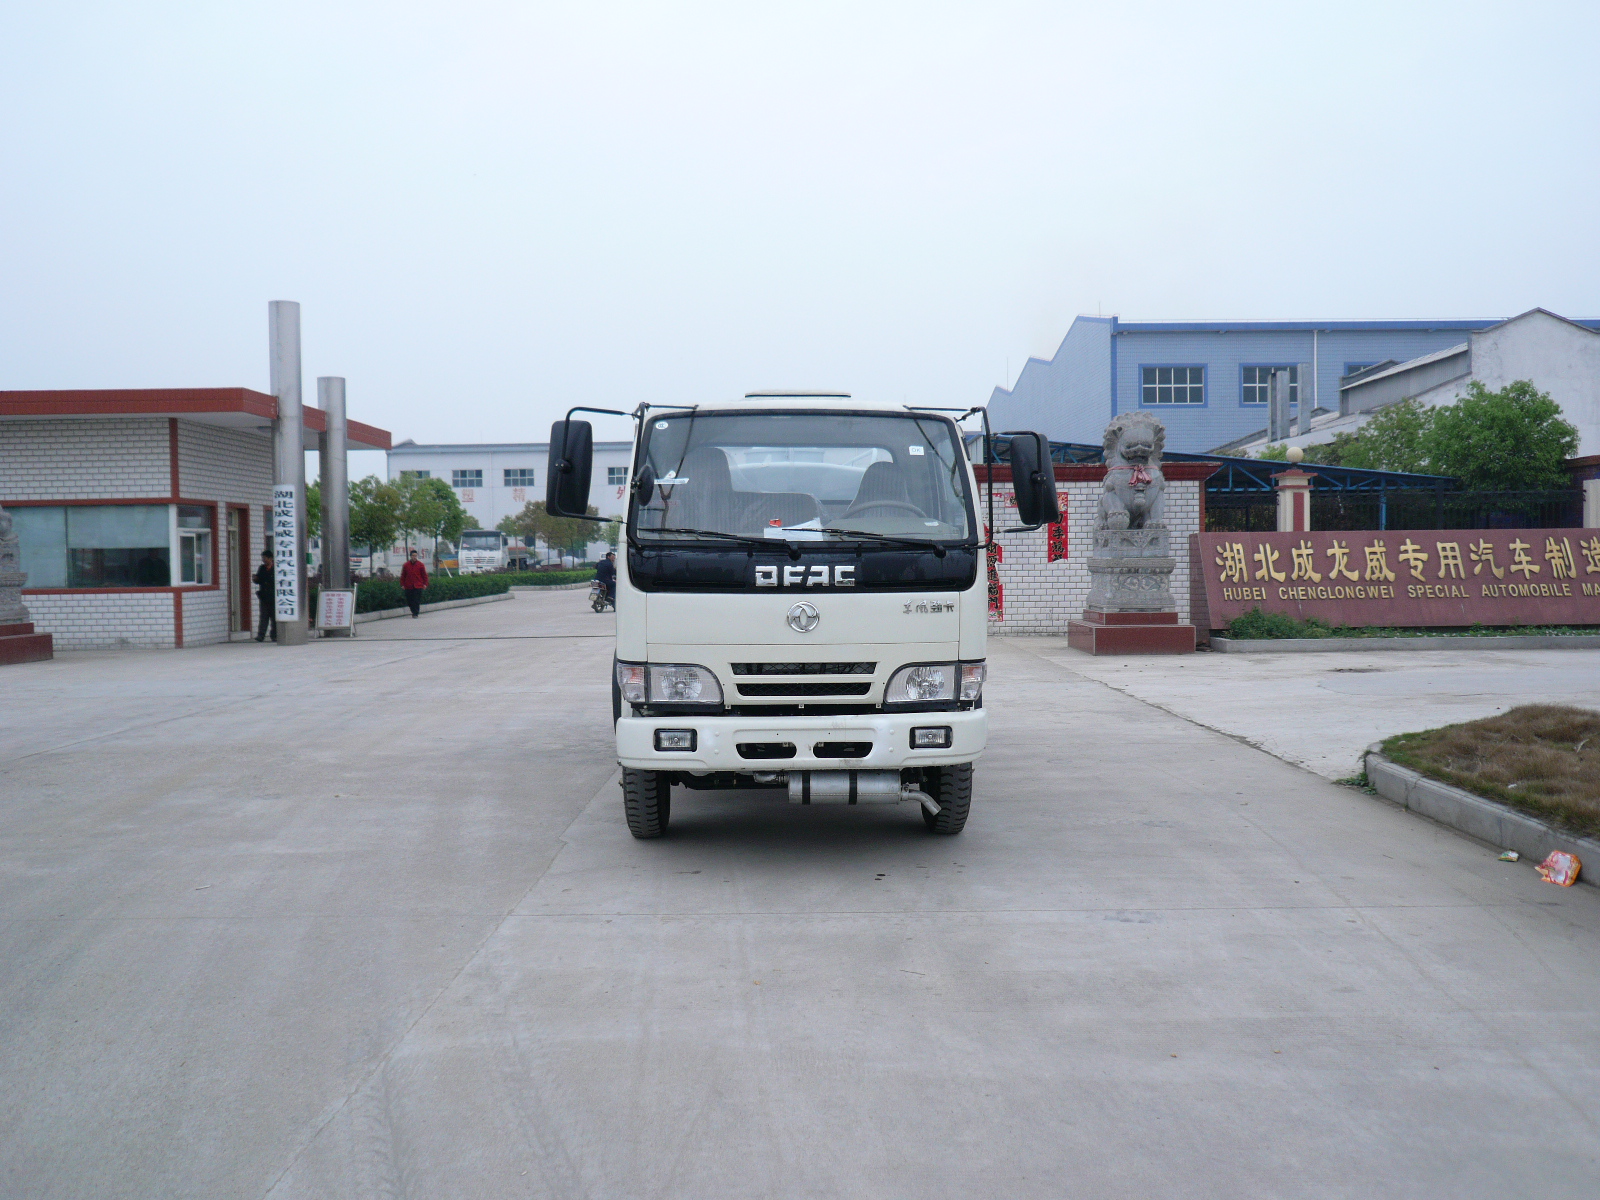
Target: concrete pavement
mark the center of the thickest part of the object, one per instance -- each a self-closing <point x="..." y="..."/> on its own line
<point x="1321" y="711"/>
<point x="362" y="918"/>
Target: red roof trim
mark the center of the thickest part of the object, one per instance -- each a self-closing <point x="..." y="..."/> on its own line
<point x="171" y="402"/>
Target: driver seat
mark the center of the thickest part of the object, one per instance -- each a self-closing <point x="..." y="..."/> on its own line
<point x="880" y="481"/>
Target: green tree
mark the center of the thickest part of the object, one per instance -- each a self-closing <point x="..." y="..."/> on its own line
<point x="1398" y="437"/>
<point x="570" y="535"/>
<point x="314" y="509"/>
<point x="430" y="509"/>
<point x="1332" y="453"/>
<point x="375" y="508"/>
<point x="1511" y="440"/>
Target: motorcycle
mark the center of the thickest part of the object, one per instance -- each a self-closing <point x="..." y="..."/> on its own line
<point x="598" y="600"/>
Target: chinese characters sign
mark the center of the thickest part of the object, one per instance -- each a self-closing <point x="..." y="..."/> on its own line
<point x="285" y="568"/>
<point x="336" y="609"/>
<point x="1406" y="577"/>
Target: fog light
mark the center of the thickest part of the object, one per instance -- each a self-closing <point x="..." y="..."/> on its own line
<point x="931" y="737"/>
<point x="675" y="739"/>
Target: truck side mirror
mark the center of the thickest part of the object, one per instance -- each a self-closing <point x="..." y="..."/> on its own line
<point x="566" y="488"/>
<point x="1033" y="476"/>
<point x="644" y="484"/>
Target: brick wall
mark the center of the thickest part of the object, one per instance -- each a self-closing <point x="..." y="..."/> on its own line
<point x="228" y="466"/>
<point x="1039" y="596"/>
<point x="114" y="621"/>
<point x="205" y="617"/>
<point x="114" y="458"/>
<point x="95" y="458"/>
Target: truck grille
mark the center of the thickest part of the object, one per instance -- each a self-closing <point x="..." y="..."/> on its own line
<point x="804" y="668"/>
<point x="804" y="689"/>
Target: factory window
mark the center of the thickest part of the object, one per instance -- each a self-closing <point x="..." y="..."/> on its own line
<point x="466" y="479"/>
<point x="1257" y="384"/>
<point x="617" y="476"/>
<point x="194" y="544"/>
<point x="421" y="474"/>
<point x="95" y="545"/>
<point x="519" y="476"/>
<point x="1173" y="385"/>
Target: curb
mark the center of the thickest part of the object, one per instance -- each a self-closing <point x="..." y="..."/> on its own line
<point x="1546" y="641"/>
<point x="1487" y="820"/>
<point x="562" y="587"/>
<point x="389" y="614"/>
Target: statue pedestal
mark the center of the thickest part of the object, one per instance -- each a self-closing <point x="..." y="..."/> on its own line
<point x="20" y="644"/>
<point x="1101" y="632"/>
<point x="1131" y="609"/>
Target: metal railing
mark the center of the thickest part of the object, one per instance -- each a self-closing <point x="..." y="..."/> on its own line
<point x="1421" y="508"/>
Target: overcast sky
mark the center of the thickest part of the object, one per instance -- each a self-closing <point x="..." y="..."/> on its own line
<point x="491" y="211"/>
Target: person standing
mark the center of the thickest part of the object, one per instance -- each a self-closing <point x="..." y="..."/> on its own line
<point x="413" y="578"/>
<point x="266" y="596"/>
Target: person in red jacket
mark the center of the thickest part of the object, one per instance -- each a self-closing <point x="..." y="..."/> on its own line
<point x="413" y="578"/>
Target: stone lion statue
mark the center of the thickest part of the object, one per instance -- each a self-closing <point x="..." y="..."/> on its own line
<point x="1134" y="483"/>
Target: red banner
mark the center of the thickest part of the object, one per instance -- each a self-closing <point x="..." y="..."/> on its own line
<point x="1401" y="578"/>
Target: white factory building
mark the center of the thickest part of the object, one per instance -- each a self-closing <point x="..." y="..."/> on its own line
<point x="494" y="480"/>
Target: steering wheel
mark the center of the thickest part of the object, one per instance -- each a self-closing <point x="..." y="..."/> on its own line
<point x="872" y="504"/>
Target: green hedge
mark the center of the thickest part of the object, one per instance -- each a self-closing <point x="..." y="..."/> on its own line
<point x="546" y="578"/>
<point x="376" y="595"/>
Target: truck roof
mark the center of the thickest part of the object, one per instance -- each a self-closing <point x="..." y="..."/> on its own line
<point x="808" y="400"/>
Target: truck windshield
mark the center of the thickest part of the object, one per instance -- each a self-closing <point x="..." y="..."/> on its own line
<point x="481" y="539"/>
<point x="809" y="476"/>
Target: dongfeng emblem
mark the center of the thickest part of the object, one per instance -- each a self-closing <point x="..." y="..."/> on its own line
<point x="803" y="618"/>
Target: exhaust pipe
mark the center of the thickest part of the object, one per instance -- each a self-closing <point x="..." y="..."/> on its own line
<point x="855" y="787"/>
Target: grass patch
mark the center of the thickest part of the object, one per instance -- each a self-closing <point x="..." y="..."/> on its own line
<point x="1542" y="759"/>
<point x="1256" y="625"/>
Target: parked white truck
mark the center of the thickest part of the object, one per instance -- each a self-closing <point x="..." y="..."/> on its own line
<point x="802" y="603"/>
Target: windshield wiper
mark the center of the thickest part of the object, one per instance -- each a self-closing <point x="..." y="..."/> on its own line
<point x="761" y="543"/>
<point x="915" y="543"/>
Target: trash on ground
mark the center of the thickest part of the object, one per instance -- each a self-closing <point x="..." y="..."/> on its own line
<point x="1509" y="856"/>
<point x="1560" y="868"/>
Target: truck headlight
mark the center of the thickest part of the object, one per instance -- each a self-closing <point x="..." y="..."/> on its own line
<point x="972" y="676"/>
<point x="923" y="682"/>
<point x="683" y="683"/>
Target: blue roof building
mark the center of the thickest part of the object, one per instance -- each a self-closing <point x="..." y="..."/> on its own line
<point x="1206" y="380"/>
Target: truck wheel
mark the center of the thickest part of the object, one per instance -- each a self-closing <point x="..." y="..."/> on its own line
<point x="952" y="788"/>
<point x="647" y="799"/>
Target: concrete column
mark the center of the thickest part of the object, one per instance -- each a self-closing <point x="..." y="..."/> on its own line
<point x="288" y="472"/>
<point x="335" y="485"/>
<point x="1591" y="503"/>
<point x="1294" y="500"/>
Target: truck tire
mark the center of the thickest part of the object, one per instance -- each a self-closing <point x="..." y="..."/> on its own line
<point x="647" y="800"/>
<point x="952" y="788"/>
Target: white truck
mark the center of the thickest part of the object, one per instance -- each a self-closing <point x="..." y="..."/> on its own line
<point x="482" y="550"/>
<point x="802" y="601"/>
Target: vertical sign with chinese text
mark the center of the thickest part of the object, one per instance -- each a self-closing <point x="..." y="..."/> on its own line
<point x="285" y="564"/>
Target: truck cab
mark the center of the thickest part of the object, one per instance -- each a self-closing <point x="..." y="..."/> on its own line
<point x="802" y="602"/>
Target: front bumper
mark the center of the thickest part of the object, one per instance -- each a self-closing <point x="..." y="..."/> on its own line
<point x="718" y="739"/>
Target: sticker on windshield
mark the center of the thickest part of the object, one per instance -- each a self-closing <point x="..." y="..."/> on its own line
<point x="672" y="481"/>
<point x="915" y="449"/>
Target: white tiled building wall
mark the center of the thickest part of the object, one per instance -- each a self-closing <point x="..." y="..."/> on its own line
<point x="94" y="458"/>
<point x="119" y="458"/>
<point x="110" y="622"/>
<point x="1040" y="597"/>
<point x="229" y="466"/>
